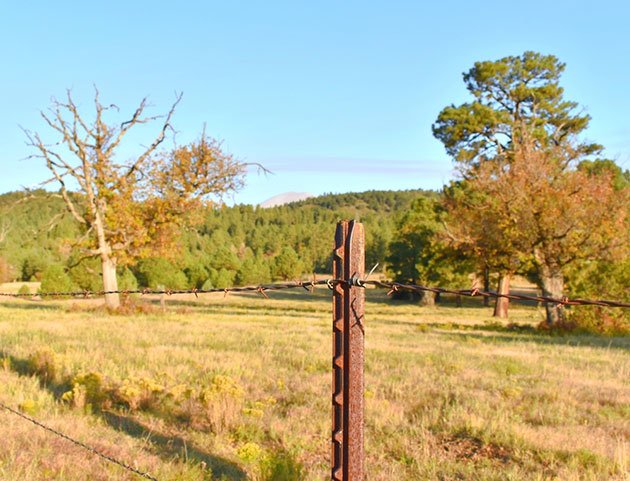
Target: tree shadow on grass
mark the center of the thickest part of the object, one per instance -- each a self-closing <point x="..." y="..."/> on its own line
<point x="528" y="334"/>
<point x="167" y="447"/>
<point x="32" y="305"/>
<point x="175" y="446"/>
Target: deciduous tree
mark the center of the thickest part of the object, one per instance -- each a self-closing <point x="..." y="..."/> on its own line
<point x="129" y="208"/>
<point x="517" y="148"/>
<point x="420" y="254"/>
<point x="473" y="227"/>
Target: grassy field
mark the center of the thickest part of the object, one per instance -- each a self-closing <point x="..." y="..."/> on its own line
<point x="238" y="388"/>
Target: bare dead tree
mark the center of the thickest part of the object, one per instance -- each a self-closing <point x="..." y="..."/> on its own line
<point x="120" y="203"/>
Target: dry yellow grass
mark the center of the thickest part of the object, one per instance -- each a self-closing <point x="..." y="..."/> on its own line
<point x="238" y="388"/>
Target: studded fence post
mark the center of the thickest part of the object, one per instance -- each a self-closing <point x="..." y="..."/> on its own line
<point x="347" y="460"/>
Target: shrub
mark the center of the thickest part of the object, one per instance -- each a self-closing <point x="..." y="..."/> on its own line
<point x="599" y="280"/>
<point x="157" y="271"/>
<point x="139" y="393"/>
<point x="254" y="270"/>
<point x="126" y="280"/>
<point x="287" y="264"/>
<point x="88" y="392"/>
<point x="264" y="465"/>
<point x="33" y="265"/>
<point x="42" y="364"/>
<point x="219" y="279"/>
<point x="197" y="275"/>
<point x="24" y="290"/>
<point x="222" y="402"/>
<point x="55" y="279"/>
<point x="86" y="275"/>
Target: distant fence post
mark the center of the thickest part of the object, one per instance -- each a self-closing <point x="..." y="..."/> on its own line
<point x="347" y="460"/>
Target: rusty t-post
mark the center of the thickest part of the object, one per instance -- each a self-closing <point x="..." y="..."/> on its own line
<point x="347" y="384"/>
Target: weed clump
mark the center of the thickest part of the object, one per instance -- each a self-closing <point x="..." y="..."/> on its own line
<point x="139" y="394"/>
<point x="265" y="465"/>
<point x="89" y="392"/>
<point x="222" y="403"/>
<point x="42" y="364"/>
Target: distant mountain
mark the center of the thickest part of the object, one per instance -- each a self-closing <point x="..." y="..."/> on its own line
<point x="285" y="198"/>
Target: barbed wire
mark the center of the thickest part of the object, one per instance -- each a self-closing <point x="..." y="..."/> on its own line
<point x="564" y="301"/>
<point x="81" y="444"/>
<point x="261" y="288"/>
<point x="391" y="286"/>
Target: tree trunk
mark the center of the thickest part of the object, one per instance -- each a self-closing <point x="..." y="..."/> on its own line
<point x="486" y="286"/>
<point x="108" y="263"/>
<point x="427" y="299"/>
<point x="110" y="282"/>
<point x="553" y="286"/>
<point x="501" y="305"/>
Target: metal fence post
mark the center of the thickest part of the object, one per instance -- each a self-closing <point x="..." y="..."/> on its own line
<point x="347" y="460"/>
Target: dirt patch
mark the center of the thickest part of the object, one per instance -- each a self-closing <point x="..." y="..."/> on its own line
<point x="474" y="449"/>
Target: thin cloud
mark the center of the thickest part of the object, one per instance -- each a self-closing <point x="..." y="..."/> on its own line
<point x="356" y="166"/>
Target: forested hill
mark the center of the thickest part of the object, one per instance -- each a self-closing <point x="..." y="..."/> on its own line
<point x="367" y="202"/>
<point x="240" y="244"/>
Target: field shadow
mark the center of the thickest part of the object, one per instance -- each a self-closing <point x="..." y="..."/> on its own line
<point x="166" y="447"/>
<point x="29" y="305"/>
<point x="268" y="304"/>
<point x="529" y="334"/>
<point x="44" y="373"/>
<point x="169" y="447"/>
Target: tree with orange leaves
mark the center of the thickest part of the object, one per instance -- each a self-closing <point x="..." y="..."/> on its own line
<point x="523" y="199"/>
<point x="545" y="212"/>
<point x="134" y="208"/>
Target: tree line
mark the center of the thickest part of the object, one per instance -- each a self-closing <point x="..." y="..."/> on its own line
<point x="225" y="246"/>
<point x="531" y="197"/>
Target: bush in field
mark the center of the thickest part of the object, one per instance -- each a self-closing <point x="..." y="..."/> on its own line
<point x="264" y="465"/>
<point x="157" y="271"/>
<point x="43" y="365"/>
<point x="219" y="279"/>
<point x="88" y="392"/>
<point x="126" y="280"/>
<point x="24" y="290"/>
<point x="55" y="279"/>
<point x="33" y="265"/>
<point x="197" y="275"/>
<point x="287" y="264"/>
<point x="254" y="270"/>
<point x="222" y="403"/>
<point x="139" y="393"/>
<point x="87" y="275"/>
<point x="600" y="280"/>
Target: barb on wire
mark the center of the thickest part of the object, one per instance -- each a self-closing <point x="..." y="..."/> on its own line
<point x="397" y="286"/>
<point x="78" y="443"/>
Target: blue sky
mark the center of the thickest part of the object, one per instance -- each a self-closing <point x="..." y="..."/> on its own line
<point x="331" y="96"/>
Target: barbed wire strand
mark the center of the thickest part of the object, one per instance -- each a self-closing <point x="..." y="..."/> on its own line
<point x="261" y="288"/>
<point x="78" y="443"/>
<point x="392" y="287"/>
<point x="564" y="301"/>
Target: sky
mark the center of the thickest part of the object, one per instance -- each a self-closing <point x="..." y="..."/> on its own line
<point x="330" y="96"/>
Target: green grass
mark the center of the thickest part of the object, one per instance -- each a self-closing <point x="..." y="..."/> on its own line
<point x="239" y="388"/>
